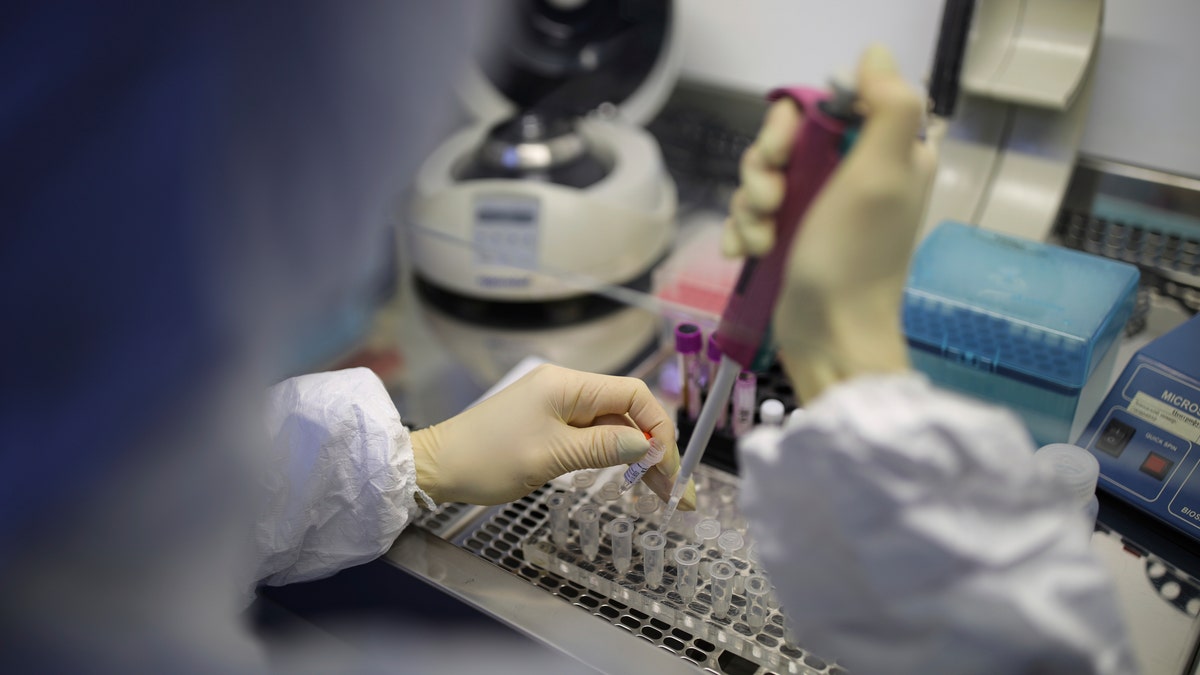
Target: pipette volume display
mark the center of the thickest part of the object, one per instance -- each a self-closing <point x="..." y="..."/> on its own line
<point x="639" y="468"/>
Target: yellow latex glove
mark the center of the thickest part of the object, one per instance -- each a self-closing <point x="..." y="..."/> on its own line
<point x="839" y="309"/>
<point x="551" y="421"/>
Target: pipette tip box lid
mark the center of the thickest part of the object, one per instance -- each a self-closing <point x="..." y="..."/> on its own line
<point x="1017" y="322"/>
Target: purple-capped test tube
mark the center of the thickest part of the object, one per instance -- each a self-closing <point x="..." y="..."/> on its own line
<point x="688" y="341"/>
<point x="714" y="360"/>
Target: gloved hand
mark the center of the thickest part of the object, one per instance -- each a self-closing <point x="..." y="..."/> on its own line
<point x="838" y="313"/>
<point x="551" y="421"/>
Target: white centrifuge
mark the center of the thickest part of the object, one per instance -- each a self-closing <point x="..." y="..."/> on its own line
<point x="556" y="191"/>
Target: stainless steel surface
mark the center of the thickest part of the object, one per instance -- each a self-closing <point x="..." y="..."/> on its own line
<point x="526" y="607"/>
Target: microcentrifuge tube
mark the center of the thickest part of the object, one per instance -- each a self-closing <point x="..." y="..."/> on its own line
<point x="744" y="393"/>
<point x="730" y="542"/>
<point x="610" y="491"/>
<point x="721" y="573"/>
<point x="757" y="590"/>
<point x="639" y="468"/>
<point x="620" y="531"/>
<point x="559" y="521"/>
<point x="647" y="505"/>
<point x="588" y="517"/>
<point x="687" y="564"/>
<point x="706" y="531"/>
<point x="653" y="544"/>
<point x="582" y="480"/>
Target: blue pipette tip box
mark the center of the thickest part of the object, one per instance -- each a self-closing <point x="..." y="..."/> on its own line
<point x="1023" y="324"/>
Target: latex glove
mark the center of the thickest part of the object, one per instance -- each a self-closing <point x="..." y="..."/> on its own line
<point x="551" y="421"/>
<point x="839" y="309"/>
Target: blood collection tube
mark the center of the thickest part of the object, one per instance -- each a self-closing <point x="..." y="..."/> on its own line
<point x="620" y="531"/>
<point x="687" y="564"/>
<point x="721" y="574"/>
<point x="757" y="591"/>
<point x="745" y="392"/>
<point x="588" y="517"/>
<point x="771" y="412"/>
<point x="653" y="544"/>
<point x="714" y="360"/>
<point x="688" y="341"/>
<point x="560" y="529"/>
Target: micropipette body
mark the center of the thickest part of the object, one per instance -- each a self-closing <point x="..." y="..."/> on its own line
<point x="742" y="332"/>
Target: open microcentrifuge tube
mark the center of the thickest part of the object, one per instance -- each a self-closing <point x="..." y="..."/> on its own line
<point x="687" y="564"/>
<point x="610" y="491"/>
<point x="653" y="544"/>
<point x="620" y="531"/>
<point x="730" y="542"/>
<point x="757" y="590"/>
<point x="588" y="517"/>
<point x="582" y="480"/>
<point x="706" y="531"/>
<point x="721" y="573"/>
<point x="559" y="518"/>
<point x="646" y="505"/>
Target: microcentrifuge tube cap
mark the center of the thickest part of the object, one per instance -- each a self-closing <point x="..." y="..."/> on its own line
<point x="1074" y="466"/>
<point x="708" y="529"/>
<point x="721" y="569"/>
<point x="730" y="541"/>
<point x="771" y="412"/>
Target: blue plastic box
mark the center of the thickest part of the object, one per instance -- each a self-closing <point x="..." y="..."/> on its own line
<point x="1146" y="432"/>
<point x="1019" y="323"/>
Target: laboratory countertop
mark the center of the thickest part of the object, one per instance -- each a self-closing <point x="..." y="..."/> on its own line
<point x="444" y="365"/>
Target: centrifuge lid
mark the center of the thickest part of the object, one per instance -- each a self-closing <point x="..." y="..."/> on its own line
<point x="576" y="56"/>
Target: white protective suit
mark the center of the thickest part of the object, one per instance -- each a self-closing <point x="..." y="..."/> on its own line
<point x="907" y="530"/>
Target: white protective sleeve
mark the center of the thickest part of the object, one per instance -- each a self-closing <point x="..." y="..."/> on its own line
<point x="341" y="483"/>
<point x="907" y="530"/>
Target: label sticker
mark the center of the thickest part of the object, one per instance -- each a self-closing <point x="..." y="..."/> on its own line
<point x="1165" y="416"/>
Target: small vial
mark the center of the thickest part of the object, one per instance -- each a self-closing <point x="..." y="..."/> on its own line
<point x="560" y="529"/>
<point x="620" y="531"/>
<point x="722" y="574"/>
<point x="639" y="468"/>
<point x="687" y="564"/>
<point x="771" y="412"/>
<point x="688" y="341"/>
<point x="757" y="590"/>
<point x="1078" y="470"/>
<point x="745" y="389"/>
<point x="588" y="517"/>
<point x="653" y="544"/>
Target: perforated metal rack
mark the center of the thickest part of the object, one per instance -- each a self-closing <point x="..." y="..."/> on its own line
<point x="515" y="537"/>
